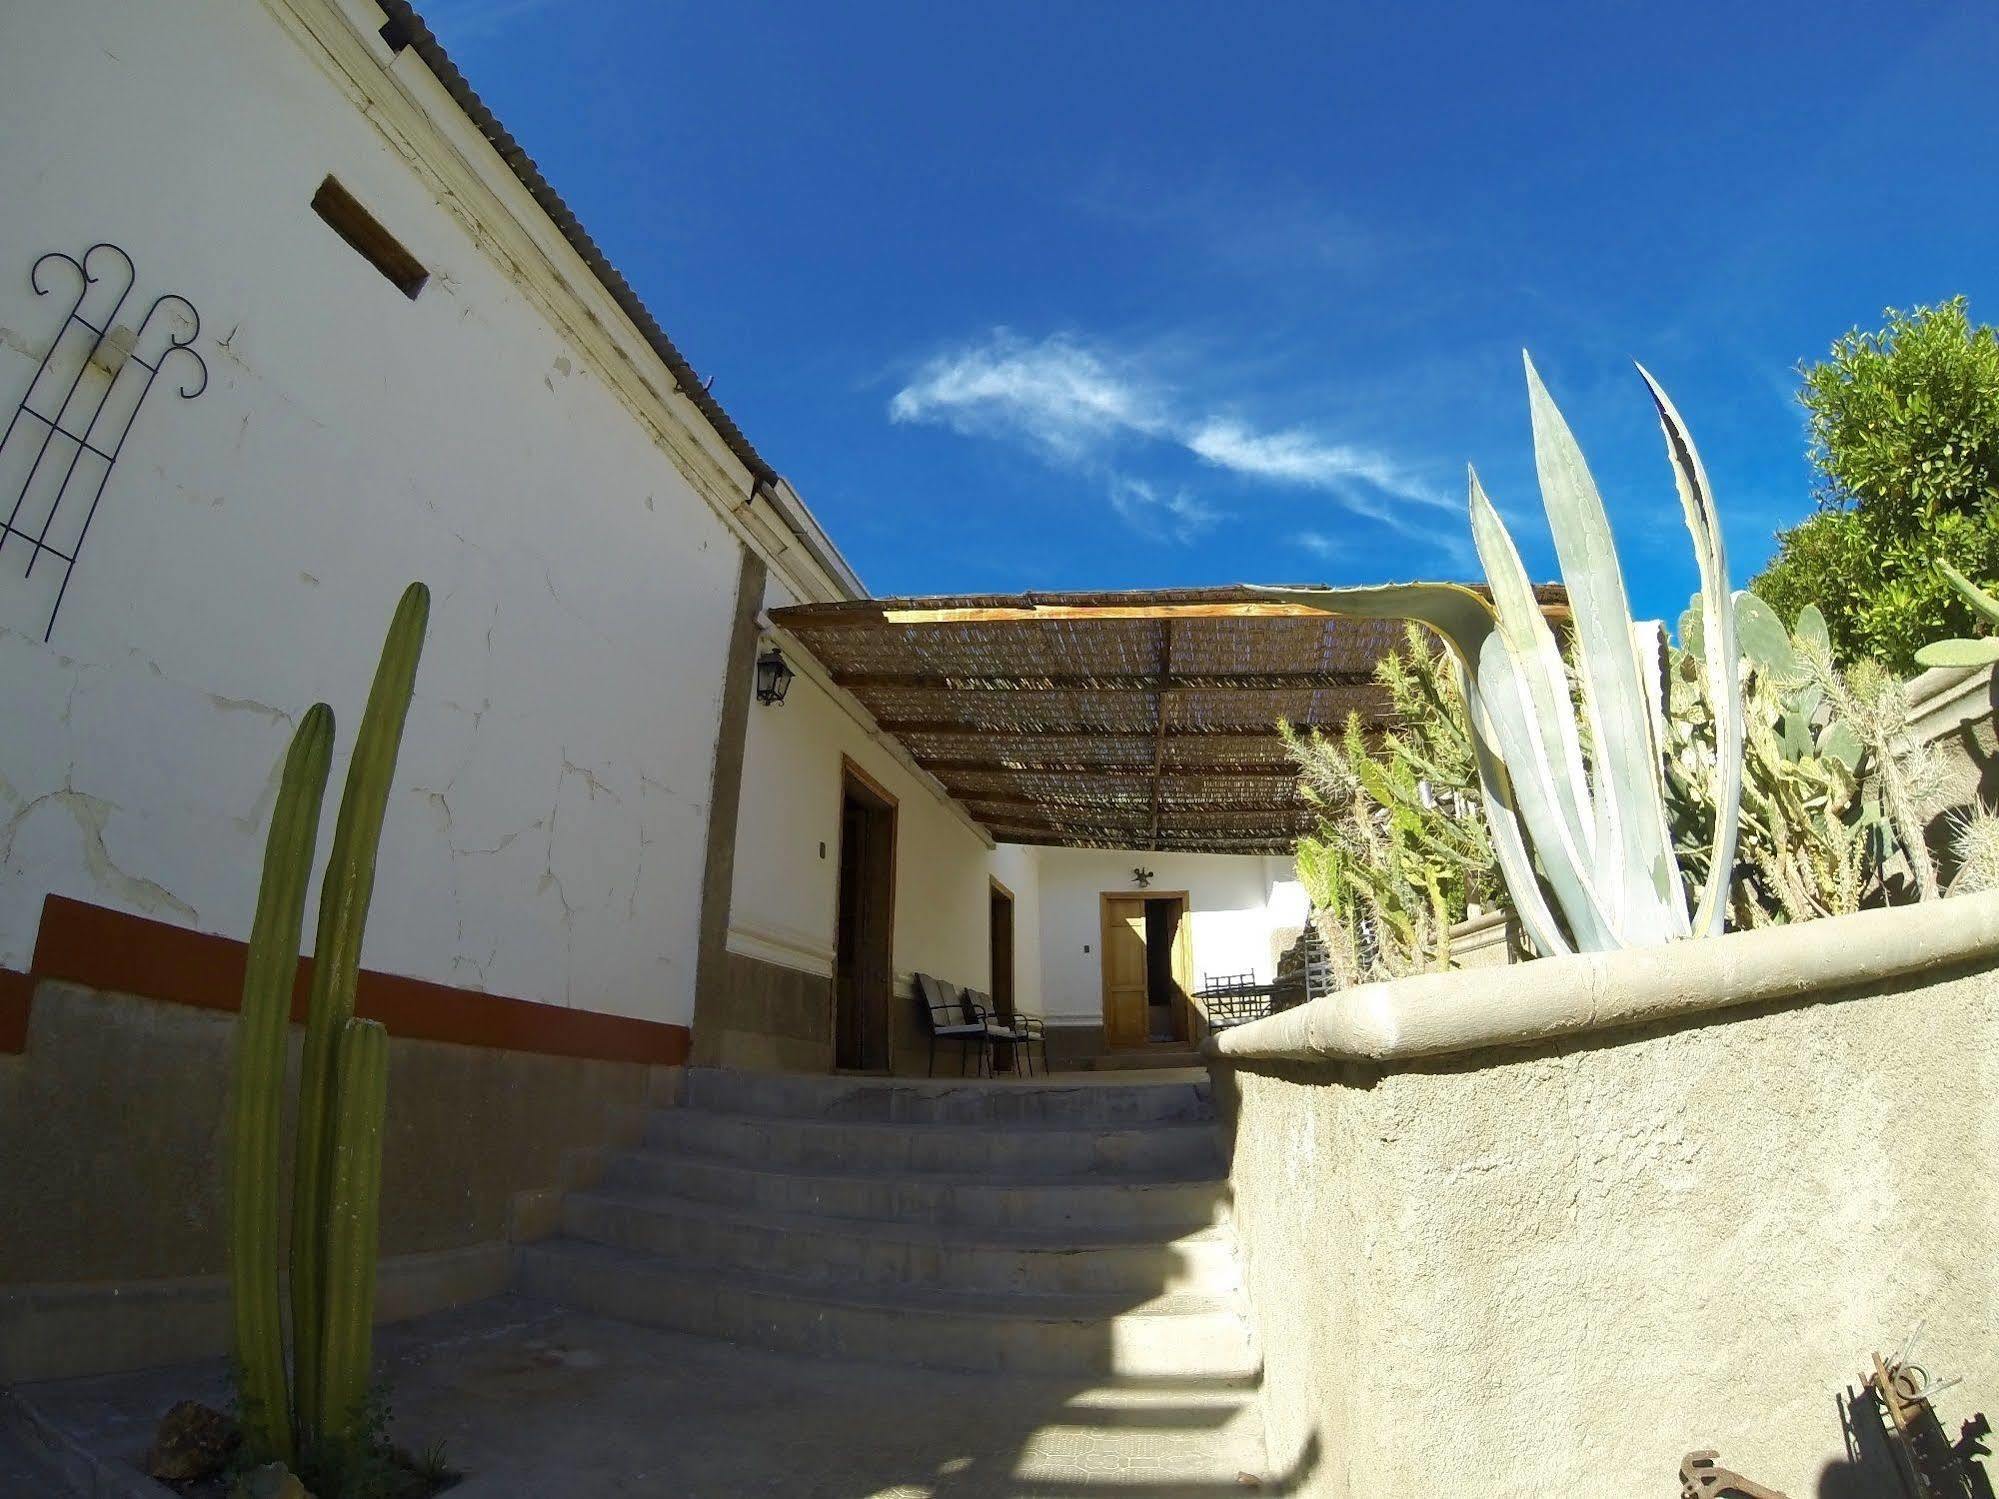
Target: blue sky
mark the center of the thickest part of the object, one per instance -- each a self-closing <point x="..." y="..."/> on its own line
<point x="1106" y="295"/>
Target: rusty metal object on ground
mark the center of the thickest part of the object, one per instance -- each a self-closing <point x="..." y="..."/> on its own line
<point x="1703" y="1477"/>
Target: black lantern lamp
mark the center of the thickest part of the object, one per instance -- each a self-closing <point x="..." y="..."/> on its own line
<point x="773" y="677"/>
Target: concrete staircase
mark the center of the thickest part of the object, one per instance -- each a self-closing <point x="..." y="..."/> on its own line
<point x="1068" y="1226"/>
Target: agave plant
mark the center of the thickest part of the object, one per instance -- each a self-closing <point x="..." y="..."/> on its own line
<point x="1598" y="831"/>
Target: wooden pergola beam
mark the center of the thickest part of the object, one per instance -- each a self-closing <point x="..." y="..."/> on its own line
<point x="977" y="681"/>
<point x="1159" y="709"/>
<point x="951" y="727"/>
<point x="1076" y="808"/>
<point x="945" y="769"/>
<point x="1112" y="838"/>
<point x="1032" y="613"/>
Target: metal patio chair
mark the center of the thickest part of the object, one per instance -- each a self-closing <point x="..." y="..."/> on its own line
<point x="1024" y="1032"/>
<point x="952" y="1017"/>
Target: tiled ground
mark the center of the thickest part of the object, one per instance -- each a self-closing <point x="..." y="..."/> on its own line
<point x="535" y="1401"/>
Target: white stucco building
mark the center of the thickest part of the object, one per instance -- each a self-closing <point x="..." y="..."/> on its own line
<point x="410" y="363"/>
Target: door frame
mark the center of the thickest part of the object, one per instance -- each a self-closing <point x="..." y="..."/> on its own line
<point x="852" y="775"/>
<point x="1183" y="959"/>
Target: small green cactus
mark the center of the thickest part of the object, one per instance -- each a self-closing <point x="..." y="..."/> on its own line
<point x="342" y="1085"/>
<point x="1974" y="846"/>
<point x="1981" y="651"/>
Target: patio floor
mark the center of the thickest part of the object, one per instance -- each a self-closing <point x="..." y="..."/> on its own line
<point x="534" y="1400"/>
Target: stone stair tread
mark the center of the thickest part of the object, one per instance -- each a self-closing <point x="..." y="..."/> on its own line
<point x="1193" y="1129"/>
<point x="1212" y="1175"/>
<point x="970" y="1236"/>
<point x="997" y="1306"/>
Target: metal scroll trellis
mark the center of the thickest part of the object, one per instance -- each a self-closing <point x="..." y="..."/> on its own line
<point x="65" y="436"/>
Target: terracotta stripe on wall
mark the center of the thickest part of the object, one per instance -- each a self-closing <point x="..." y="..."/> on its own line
<point x="16" y="989"/>
<point x="88" y="944"/>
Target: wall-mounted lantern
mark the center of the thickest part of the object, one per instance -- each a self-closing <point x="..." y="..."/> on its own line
<point x="1141" y="877"/>
<point x="773" y="677"/>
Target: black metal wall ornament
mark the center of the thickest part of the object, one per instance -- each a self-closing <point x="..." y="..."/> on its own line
<point x="60" y="404"/>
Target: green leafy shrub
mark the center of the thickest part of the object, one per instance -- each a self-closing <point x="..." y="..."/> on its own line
<point x="1905" y="434"/>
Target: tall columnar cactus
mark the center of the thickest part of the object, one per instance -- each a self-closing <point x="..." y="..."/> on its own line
<point x="268" y="977"/>
<point x="342" y="1083"/>
<point x="343" y="916"/>
<point x="352" y="1225"/>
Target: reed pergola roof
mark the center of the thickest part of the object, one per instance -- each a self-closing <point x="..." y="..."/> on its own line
<point x="1129" y="720"/>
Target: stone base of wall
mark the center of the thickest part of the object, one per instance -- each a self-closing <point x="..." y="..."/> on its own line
<point x="114" y="1130"/>
<point x="764" y="1017"/>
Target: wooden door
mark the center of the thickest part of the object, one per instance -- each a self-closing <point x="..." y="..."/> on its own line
<point x="1124" y="968"/>
<point x="864" y="935"/>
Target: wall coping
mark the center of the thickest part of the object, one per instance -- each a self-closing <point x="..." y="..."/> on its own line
<point x="1438" y="1014"/>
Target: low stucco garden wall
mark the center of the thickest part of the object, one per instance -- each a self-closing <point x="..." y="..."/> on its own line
<point x="1546" y="1229"/>
<point x="113" y="1130"/>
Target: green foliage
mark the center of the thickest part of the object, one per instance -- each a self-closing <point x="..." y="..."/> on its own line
<point x="1402" y="848"/>
<point x="323" y="1419"/>
<point x="1905" y="434"/>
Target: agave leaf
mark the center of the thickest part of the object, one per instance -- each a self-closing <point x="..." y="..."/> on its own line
<point x="1525" y="630"/>
<point x="1463" y="619"/>
<point x="1505" y="686"/>
<point x="1983" y="651"/>
<point x="1978" y="598"/>
<point x="1722" y="656"/>
<point x="1630" y="802"/>
<point x="1648" y="639"/>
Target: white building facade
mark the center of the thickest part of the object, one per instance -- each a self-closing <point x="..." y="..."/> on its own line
<point x="590" y="811"/>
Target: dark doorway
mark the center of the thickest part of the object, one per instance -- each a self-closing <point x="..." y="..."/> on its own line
<point x="864" y="938"/>
<point x="1166" y="1014"/>
<point x="1002" y="947"/>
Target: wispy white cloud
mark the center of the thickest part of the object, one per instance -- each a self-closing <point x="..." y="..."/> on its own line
<point x="1318" y="543"/>
<point x="1065" y="398"/>
<point x="1175" y="514"/>
<point x="1079" y="406"/>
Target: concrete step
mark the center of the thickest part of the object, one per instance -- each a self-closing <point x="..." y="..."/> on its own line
<point x="1151" y="1059"/>
<point x="1155" y="1205"/>
<point x="1073" y="1099"/>
<point x="971" y="1149"/>
<point x="1180" y="1336"/>
<point x="887" y="1256"/>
